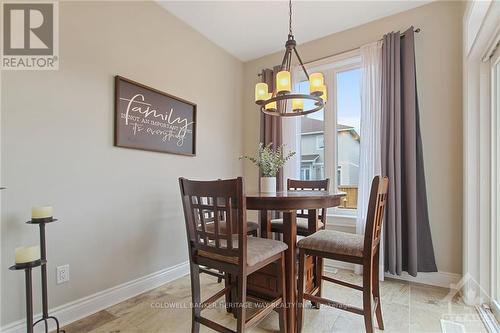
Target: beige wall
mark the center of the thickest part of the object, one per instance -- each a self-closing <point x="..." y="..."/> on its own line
<point x="439" y="71"/>
<point x="119" y="209"/>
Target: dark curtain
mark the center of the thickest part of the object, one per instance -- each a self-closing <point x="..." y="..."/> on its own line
<point x="270" y="126"/>
<point x="408" y="241"/>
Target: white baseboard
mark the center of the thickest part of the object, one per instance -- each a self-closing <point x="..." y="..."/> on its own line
<point x="73" y="311"/>
<point x="438" y="279"/>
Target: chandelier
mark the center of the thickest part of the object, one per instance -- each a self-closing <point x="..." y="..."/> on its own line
<point x="268" y="101"/>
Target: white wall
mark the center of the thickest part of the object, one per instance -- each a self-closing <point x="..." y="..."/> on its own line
<point x="439" y="75"/>
<point x="119" y="209"/>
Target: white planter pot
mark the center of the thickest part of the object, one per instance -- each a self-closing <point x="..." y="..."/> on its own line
<point x="268" y="184"/>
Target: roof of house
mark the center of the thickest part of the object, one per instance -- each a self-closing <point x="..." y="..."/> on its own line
<point x="311" y="125"/>
<point x="309" y="157"/>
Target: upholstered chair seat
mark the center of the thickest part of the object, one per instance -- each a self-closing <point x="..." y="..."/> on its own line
<point x="258" y="250"/>
<point x="334" y="242"/>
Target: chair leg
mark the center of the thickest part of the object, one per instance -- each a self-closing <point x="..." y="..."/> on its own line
<point x="318" y="279"/>
<point x="234" y="296"/>
<point x="300" y="293"/>
<point x="282" y="291"/>
<point x="241" y="306"/>
<point x="367" y="297"/>
<point x="195" y="297"/>
<point x="227" y="281"/>
<point x="219" y="279"/>
<point x="376" y="291"/>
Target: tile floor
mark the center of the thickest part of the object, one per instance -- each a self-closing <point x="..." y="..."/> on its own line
<point x="406" y="307"/>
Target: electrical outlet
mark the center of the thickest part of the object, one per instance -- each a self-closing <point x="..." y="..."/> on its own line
<point x="62" y="274"/>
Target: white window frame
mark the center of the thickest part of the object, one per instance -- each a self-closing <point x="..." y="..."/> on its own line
<point x="330" y="67"/>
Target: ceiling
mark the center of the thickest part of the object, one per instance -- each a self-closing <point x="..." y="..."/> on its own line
<point x="251" y="29"/>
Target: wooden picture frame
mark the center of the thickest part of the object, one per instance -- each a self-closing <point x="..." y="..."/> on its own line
<point x="152" y="120"/>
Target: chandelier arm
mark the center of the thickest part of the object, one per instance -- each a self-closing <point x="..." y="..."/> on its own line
<point x="290" y="114"/>
<point x="283" y="62"/>
<point x="280" y="99"/>
<point x="301" y="63"/>
<point x="316" y="99"/>
<point x="289" y="61"/>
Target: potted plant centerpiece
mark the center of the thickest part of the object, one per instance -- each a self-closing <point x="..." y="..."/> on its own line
<point x="269" y="160"/>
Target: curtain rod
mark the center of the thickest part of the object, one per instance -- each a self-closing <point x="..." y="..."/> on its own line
<point x="356" y="48"/>
<point x="333" y="55"/>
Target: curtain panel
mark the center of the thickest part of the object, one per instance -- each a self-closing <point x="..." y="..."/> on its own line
<point x="370" y="143"/>
<point x="408" y="241"/>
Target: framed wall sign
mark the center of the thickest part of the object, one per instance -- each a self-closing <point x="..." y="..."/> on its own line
<point x="149" y="119"/>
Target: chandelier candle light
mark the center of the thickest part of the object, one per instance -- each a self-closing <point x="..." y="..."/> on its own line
<point x="268" y="101"/>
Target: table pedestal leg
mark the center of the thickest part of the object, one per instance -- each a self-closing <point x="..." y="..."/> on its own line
<point x="290" y="238"/>
<point x="265" y="224"/>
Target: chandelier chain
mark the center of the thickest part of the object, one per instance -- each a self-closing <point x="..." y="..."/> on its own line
<point x="290" y="17"/>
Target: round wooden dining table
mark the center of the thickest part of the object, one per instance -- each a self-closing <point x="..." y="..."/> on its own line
<point x="289" y="202"/>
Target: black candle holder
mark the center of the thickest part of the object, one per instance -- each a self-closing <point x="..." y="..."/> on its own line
<point x="27" y="267"/>
<point x="43" y="256"/>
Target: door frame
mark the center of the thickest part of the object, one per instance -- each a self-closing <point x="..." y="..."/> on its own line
<point x="480" y="31"/>
<point x="495" y="181"/>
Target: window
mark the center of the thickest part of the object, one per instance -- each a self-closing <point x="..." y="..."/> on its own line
<point x="329" y="138"/>
<point x="305" y="173"/>
<point x="348" y="84"/>
<point x="312" y="140"/>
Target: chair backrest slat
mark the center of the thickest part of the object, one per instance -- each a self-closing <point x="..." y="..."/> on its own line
<point x="230" y="217"/>
<point x="375" y="214"/>
<point x="214" y="213"/>
<point x="200" y="208"/>
<point x="309" y="185"/>
<point x="216" y="221"/>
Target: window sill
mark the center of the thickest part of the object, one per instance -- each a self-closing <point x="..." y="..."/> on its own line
<point x="342" y="212"/>
<point x="341" y="220"/>
<point x="343" y="216"/>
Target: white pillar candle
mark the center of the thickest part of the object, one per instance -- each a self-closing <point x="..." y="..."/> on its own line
<point x="41" y="212"/>
<point x="27" y="254"/>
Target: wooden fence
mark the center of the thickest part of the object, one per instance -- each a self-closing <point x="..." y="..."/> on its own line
<point x="350" y="201"/>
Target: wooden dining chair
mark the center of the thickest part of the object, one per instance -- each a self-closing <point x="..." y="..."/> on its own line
<point x="231" y="251"/>
<point x="352" y="248"/>
<point x="303" y="215"/>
